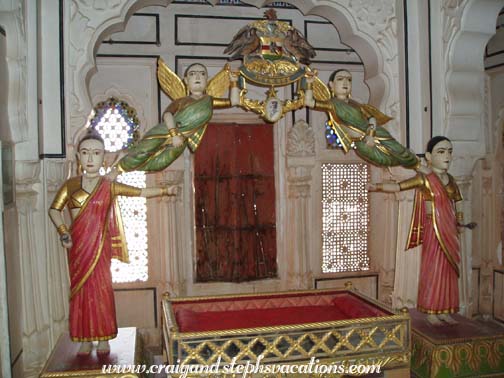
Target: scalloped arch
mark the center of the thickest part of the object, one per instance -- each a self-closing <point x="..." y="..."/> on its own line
<point x="378" y="78"/>
<point x="465" y="76"/>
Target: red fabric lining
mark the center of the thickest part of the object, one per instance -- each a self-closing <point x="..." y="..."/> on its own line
<point x="344" y="306"/>
<point x="261" y="297"/>
<point x="355" y="308"/>
<point x="191" y="321"/>
<point x="253" y="303"/>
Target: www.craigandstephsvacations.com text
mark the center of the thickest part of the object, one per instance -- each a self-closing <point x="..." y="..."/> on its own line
<point x="243" y="370"/>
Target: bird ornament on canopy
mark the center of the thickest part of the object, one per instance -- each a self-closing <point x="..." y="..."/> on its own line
<point x="273" y="54"/>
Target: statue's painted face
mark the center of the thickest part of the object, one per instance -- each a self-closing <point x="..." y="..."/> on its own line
<point x="342" y="84"/>
<point x="196" y="78"/>
<point x="441" y="155"/>
<point x="91" y="155"/>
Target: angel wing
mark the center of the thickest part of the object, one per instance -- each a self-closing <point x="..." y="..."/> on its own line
<point x="380" y="117"/>
<point x="219" y="84"/>
<point x="320" y="91"/>
<point x="171" y="84"/>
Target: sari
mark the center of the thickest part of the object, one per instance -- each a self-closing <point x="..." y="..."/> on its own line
<point x="352" y="117"/>
<point x="97" y="237"/>
<point x="155" y="151"/>
<point x="438" y="291"/>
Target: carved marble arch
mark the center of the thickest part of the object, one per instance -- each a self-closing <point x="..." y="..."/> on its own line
<point x="468" y="26"/>
<point x="367" y="28"/>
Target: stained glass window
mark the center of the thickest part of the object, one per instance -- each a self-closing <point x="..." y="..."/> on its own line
<point x="345" y="217"/>
<point x="117" y="123"/>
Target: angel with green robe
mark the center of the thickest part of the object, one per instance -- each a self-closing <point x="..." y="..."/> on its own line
<point x="186" y="118"/>
<point x="358" y="126"/>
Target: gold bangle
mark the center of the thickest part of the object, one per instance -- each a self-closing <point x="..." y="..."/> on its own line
<point x="233" y="84"/>
<point x="62" y="229"/>
<point x="166" y="193"/>
<point x="418" y="164"/>
<point x="460" y="216"/>
<point x="379" y="187"/>
<point x="309" y="86"/>
<point x="173" y="132"/>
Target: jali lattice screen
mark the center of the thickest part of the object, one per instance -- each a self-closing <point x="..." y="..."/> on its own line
<point x="345" y="217"/>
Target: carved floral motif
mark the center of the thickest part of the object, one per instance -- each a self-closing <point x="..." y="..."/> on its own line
<point x="372" y="12"/>
<point x="301" y="140"/>
<point x="99" y="4"/>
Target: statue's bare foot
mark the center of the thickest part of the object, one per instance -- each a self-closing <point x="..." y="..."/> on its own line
<point x="434" y="320"/>
<point x="85" y="348"/>
<point x="103" y="348"/>
<point x="448" y="319"/>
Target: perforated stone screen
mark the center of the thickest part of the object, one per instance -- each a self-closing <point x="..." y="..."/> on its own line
<point x="345" y="217"/>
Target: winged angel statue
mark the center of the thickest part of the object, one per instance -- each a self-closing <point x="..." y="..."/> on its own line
<point x="357" y="126"/>
<point x="185" y="120"/>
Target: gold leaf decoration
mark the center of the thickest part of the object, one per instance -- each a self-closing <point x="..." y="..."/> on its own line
<point x="170" y="83"/>
<point x="219" y="84"/>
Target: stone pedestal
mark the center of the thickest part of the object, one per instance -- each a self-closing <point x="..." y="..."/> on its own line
<point x="471" y="348"/>
<point x="64" y="362"/>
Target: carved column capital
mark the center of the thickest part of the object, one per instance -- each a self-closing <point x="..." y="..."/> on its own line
<point x="301" y="140"/>
<point x="27" y="175"/>
<point x="464" y="183"/>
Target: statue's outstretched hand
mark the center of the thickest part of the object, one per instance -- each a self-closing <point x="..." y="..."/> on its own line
<point x="372" y="187"/>
<point x="177" y="141"/>
<point x="233" y="75"/>
<point x="310" y="76"/>
<point x="423" y="169"/>
<point x="310" y="79"/>
<point x="172" y="190"/>
<point x="66" y="241"/>
<point x="370" y="133"/>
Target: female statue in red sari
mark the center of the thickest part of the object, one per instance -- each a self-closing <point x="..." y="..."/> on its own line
<point x="94" y="238"/>
<point x="435" y="224"/>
